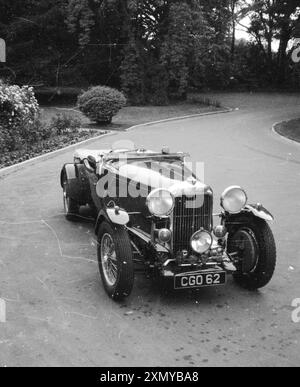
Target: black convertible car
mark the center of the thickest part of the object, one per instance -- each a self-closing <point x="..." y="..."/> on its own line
<point x="150" y="209"/>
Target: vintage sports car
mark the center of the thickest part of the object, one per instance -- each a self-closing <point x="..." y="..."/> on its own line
<point x="150" y="209"/>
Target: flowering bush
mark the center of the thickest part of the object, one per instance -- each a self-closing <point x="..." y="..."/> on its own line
<point x="23" y="135"/>
<point x="65" y="123"/>
<point x="101" y="103"/>
<point x="19" y="112"/>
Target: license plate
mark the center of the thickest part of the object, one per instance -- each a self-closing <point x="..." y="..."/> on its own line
<point x="200" y="280"/>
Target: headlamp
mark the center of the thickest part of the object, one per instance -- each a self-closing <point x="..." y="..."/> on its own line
<point x="201" y="241"/>
<point x="234" y="199"/>
<point x="160" y="202"/>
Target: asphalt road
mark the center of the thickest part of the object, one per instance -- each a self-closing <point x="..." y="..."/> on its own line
<point x="57" y="311"/>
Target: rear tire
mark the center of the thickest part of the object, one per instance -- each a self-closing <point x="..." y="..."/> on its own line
<point x="254" y="242"/>
<point x="115" y="261"/>
<point x="71" y="207"/>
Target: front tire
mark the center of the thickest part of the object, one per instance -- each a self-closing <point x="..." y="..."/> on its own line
<point x="115" y="261"/>
<point x="252" y="241"/>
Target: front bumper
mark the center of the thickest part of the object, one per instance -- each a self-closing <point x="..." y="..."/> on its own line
<point x="172" y="267"/>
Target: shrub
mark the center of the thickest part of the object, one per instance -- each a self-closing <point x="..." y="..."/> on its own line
<point x="101" y="103"/>
<point x="65" y="123"/>
<point x="19" y="112"/>
<point x="40" y="131"/>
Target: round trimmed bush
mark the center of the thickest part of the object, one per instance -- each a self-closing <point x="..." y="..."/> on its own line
<point x="101" y="103"/>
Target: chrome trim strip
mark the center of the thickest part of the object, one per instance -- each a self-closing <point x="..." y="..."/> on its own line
<point x="147" y="239"/>
<point x="141" y="234"/>
<point x="168" y="262"/>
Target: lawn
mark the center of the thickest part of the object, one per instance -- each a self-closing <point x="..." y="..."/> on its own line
<point x="135" y="115"/>
<point x="289" y="129"/>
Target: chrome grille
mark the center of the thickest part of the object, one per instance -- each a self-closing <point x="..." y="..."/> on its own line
<point x="189" y="217"/>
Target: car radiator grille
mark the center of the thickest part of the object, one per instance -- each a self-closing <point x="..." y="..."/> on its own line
<point x="189" y="217"/>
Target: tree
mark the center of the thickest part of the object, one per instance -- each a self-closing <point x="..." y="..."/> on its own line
<point x="99" y="28"/>
<point x="37" y="39"/>
<point x="132" y="73"/>
<point x="238" y="10"/>
<point x="144" y="79"/>
<point x="287" y="18"/>
<point x="217" y="63"/>
<point x="273" y="20"/>
<point x="155" y="50"/>
<point x="176" y="49"/>
<point x="174" y="44"/>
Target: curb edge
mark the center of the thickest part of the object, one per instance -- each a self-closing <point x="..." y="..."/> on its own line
<point x="286" y="139"/>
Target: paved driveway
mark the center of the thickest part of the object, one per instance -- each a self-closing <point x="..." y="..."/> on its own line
<point x="57" y="311"/>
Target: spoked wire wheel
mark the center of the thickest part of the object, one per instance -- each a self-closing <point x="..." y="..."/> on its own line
<point x="253" y="244"/>
<point x="245" y="246"/>
<point x="115" y="261"/>
<point x="109" y="260"/>
<point x="66" y="201"/>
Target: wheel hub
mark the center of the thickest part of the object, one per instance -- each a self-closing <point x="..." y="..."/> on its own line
<point x="109" y="259"/>
<point x="66" y="202"/>
<point x="245" y="244"/>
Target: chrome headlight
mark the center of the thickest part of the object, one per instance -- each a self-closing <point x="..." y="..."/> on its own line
<point x="164" y="235"/>
<point x="160" y="202"/>
<point x="201" y="241"/>
<point x="234" y="199"/>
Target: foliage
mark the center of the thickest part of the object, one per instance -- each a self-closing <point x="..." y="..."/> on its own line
<point x="18" y="115"/>
<point x="64" y="123"/>
<point x="44" y="145"/>
<point x="274" y="20"/>
<point x="20" y="125"/>
<point x="101" y="103"/>
<point x="156" y="83"/>
<point x="18" y="104"/>
<point x="38" y="41"/>
<point x="154" y="50"/>
<point x="99" y="28"/>
<point x="168" y="50"/>
<point x="132" y="75"/>
<point x="23" y="135"/>
<point x="176" y="48"/>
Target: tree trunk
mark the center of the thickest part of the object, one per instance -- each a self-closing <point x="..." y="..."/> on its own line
<point x="282" y="59"/>
<point x="233" y="4"/>
<point x="233" y="42"/>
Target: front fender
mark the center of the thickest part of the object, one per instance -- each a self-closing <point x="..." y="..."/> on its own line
<point x="116" y="217"/>
<point x="68" y="171"/>
<point x="256" y="211"/>
<point x="77" y="183"/>
<point x="259" y="212"/>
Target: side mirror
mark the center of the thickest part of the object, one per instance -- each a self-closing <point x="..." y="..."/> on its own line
<point x="92" y="161"/>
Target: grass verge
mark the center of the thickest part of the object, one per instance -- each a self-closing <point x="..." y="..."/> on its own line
<point x="54" y="143"/>
<point x="289" y="129"/>
<point x="135" y="115"/>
